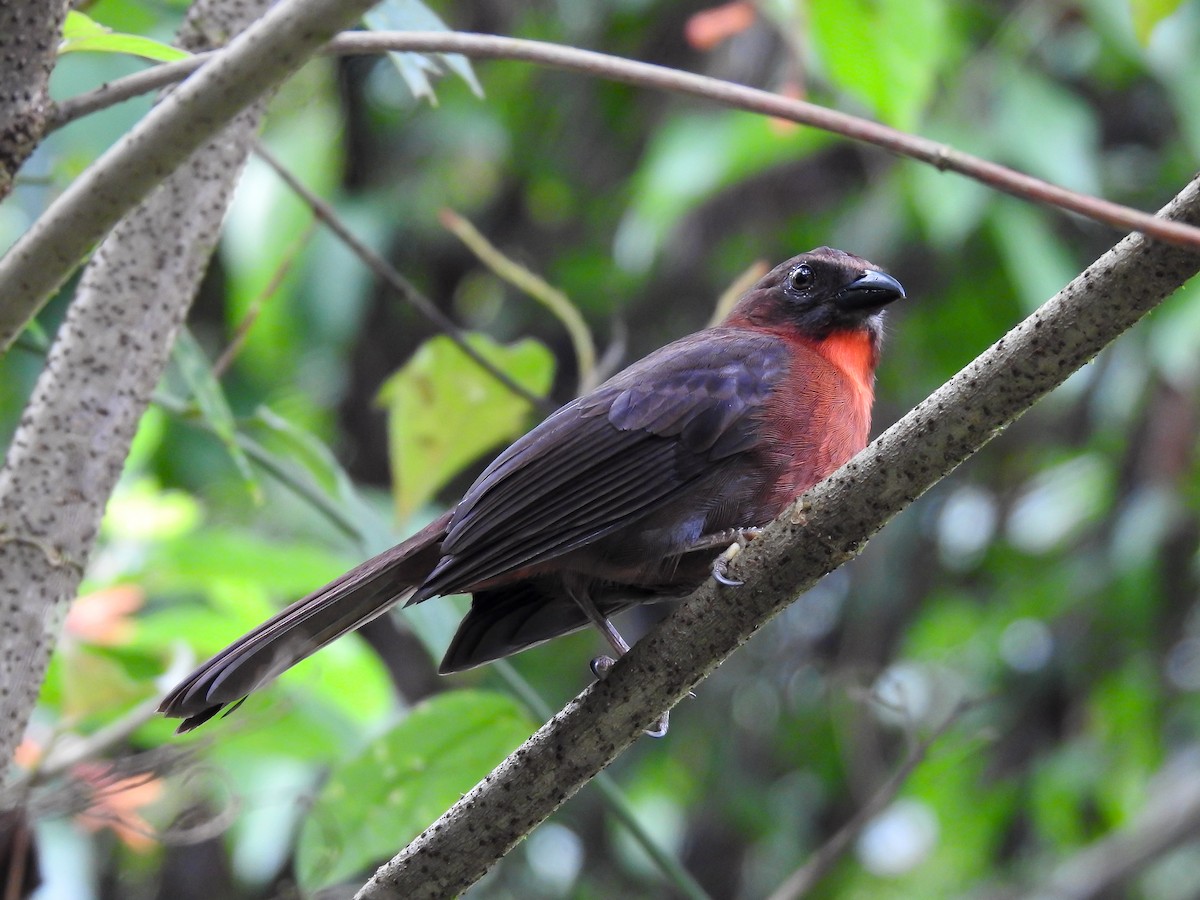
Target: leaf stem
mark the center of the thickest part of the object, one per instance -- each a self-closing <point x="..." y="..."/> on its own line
<point x="536" y="287"/>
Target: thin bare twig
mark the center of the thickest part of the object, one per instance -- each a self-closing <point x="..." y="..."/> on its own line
<point x="126" y="88"/>
<point x="81" y="749"/>
<point x="1169" y="819"/>
<point x="255" y="307"/>
<point x="808" y="876"/>
<point x="736" y="288"/>
<point x="614" y="68"/>
<point x="397" y="282"/>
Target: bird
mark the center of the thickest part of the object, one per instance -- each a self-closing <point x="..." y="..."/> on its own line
<point x="628" y="494"/>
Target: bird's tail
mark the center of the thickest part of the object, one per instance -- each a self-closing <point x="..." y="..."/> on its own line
<point x="306" y="626"/>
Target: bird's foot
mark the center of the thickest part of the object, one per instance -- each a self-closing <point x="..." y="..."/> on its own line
<point x="600" y="667"/>
<point x="659" y="728"/>
<point x="720" y="566"/>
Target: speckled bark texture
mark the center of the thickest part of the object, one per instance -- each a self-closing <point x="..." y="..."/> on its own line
<point x="254" y="62"/>
<point x="826" y="527"/>
<point x="106" y="359"/>
<point x="29" y="35"/>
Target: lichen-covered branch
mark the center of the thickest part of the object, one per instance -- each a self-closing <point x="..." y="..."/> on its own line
<point x="29" y="35"/>
<point x="253" y="63"/>
<point x="826" y="527"/>
<point x="106" y="359"/>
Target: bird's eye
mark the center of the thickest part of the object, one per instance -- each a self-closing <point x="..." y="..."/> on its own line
<point x="801" y="278"/>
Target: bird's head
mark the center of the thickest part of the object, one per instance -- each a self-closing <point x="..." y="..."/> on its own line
<point x="819" y="294"/>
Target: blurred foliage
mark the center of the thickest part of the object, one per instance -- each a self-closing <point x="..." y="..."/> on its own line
<point x="403" y="780"/>
<point x="1052" y="583"/>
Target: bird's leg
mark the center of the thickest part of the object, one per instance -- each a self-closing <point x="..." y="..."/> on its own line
<point x="733" y="540"/>
<point x="601" y="664"/>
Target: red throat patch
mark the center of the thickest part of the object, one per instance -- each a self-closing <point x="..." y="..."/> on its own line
<point x="855" y="354"/>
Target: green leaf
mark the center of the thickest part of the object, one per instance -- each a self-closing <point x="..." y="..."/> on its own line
<point x="1060" y="789"/>
<point x="234" y="558"/>
<point x="885" y="52"/>
<point x="415" y="68"/>
<point x="1128" y="730"/>
<point x="1147" y="14"/>
<point x="206" y="391"/>
<point x="444" y="411"/>
<point x="94" y="683"/>
<point x="36" y="337"/>
<point x="211" y="586"/>
<point x="954" y="783"/>
<point x="82" y="34"/>
<point x="403" y="780"/>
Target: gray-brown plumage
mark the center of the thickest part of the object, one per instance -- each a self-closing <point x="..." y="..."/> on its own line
<point x="622" y="496"/>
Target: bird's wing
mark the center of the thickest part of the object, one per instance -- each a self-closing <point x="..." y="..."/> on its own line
<point x="633" y="445"/>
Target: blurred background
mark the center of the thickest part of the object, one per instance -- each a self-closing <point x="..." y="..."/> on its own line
<point x="1043" y="599"/>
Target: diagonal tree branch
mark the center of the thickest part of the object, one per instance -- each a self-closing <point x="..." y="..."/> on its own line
<point x="824" y="528"/>
<point x="736" y="96"/>
<point x="254" y="62"/>
<point x="1170" y="818"/>
<point x="822" y="861"/>
<point x="941" y="156"/>
<point x="29" y="34"/>
<point x="388" y="274"/>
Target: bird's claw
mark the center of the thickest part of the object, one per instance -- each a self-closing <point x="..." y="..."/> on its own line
<point x="720" y="566"/>
<point x="600" y="667"/>
<point x="659" y="728"/>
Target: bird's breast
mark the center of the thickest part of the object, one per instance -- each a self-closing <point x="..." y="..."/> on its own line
<point x="820" y="414"/>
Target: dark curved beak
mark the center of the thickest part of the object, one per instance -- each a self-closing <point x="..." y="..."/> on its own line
<point x="871" y="290"/>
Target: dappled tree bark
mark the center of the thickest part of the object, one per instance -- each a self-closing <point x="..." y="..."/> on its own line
<point x="106" y="359"/>
<point x="254" y="62"/>
<point x="72" y="441"/>
<point x="29" y="34"/>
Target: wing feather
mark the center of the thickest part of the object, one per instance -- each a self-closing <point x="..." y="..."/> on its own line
<point x="635" y="444"/>
<point x="596" y="511"/>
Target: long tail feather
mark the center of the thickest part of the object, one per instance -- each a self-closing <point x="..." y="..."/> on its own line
<point x="301" y="629"/>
